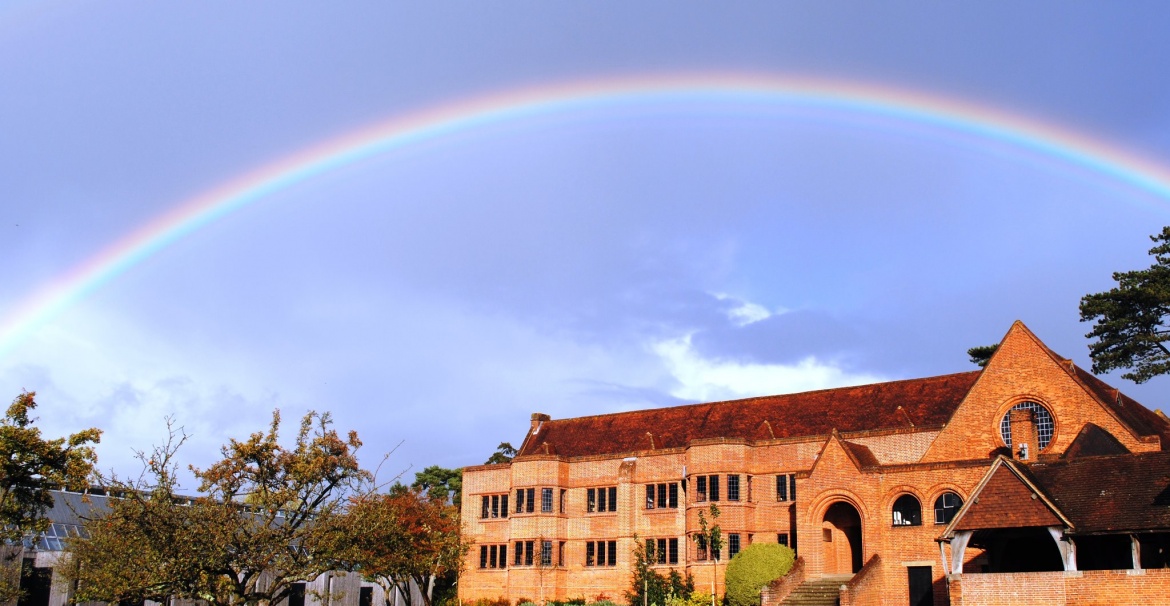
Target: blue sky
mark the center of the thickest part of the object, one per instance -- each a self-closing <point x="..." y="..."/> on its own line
<point x="620" y="258"/>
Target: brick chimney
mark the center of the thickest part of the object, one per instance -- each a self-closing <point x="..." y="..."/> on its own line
<point x="1025" y="438"/>
<point x="537" y="419"/>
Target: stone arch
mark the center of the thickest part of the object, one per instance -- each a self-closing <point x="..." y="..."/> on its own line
<point x="841" y="538"/>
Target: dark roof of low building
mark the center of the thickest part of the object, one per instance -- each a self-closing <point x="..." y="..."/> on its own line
<point x="1110" y="494"/>
<point x="914" y="403"/>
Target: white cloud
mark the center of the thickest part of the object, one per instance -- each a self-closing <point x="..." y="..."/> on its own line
<point x="746" y="312"/>
<point x="708" y="380"/>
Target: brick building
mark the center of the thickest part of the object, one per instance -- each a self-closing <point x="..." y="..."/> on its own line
<point x="1030" y="481"/>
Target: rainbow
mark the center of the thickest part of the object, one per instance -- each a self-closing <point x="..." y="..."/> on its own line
<point x="847" y="98"/>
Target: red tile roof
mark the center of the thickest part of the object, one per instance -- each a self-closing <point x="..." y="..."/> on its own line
<point x="1110" y="494"/>
<point x="1005" y="501"/>
<point x="920" y="403"/>
<point x="1141" y="419"/>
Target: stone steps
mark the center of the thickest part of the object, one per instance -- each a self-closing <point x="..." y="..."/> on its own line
<point x="817" y="592"/>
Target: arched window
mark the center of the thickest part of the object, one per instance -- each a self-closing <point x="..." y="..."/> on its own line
<point x="946" y="506"/>
<point x="907" y="511"/>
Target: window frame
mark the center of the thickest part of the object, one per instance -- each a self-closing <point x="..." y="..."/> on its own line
<point x="493" y="506"/>
<point x="944" y="518"/>
<point x="901" y="517"/>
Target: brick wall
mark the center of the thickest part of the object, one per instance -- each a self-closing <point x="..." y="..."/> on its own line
<point x="866" y="588"/>
<point x="1023" y="370"/>
<point x="1092" y="587"/>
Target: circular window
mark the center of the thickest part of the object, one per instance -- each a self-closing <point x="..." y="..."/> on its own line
<point x="1044" y="426"/>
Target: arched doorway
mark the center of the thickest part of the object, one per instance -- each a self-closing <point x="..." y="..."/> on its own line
<point x="841" y="539"/>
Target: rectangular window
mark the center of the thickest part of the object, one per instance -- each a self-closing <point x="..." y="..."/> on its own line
<point x="602" y="499"/>
<point x="786" y="487"/>
<point x="530" y="500"/>
<point x="661" y="551"/>
<point x="733" y="487"/>
<point x="701" y="488"/>
<point x="562" y="507"/>
<point x="483" y="556"/>
<point x="546" y="553"/>
<point x="713" y="488"/>
<point x="701" y="548"/>
<point x="732" y="545"/>
<point x="494" y="506"/>
<point x="546" y="500"/>
<point x="782" y="538"/>
<point x="519" y="500"/>
<point x="651" y="553"/>
<point x="749" y="490"/>
<point x="601" y="553"/>
<point x="662" y="496"/>
<point x="672" y="551"/>
<point x="524" y="551"/>
<point x="561" y="554"/>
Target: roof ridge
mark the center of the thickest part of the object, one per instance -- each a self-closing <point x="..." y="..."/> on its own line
<point x="770" y="396"/>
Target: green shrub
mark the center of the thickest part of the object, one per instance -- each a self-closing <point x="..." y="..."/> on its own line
<point x="696" y="598"/>
<point x="500" y="601"/>
<point x="753" y="568"/>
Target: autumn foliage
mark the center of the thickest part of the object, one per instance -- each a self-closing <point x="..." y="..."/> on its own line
<point x="404" y="536"/>
<point x="30" y="466"/>
<point x="261" y="525"/>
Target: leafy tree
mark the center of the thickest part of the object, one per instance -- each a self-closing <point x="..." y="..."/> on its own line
<point x="1130" y="329"/>
<point x="405" y="536"/>
<point x="261" y="526"/>
<point x="981" y="355"/>
<point x="648" y="586"/>
<point x="30" y="466"/>
<point x="710" y="538"/>
<point x="445" y="484"/>
<point x="504" y="454"/>
<point x="753" y="568"/>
